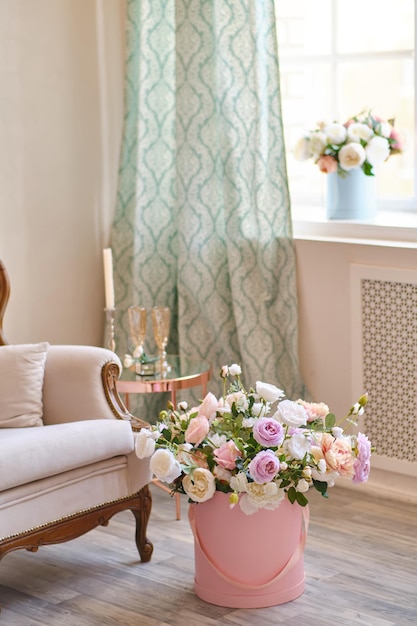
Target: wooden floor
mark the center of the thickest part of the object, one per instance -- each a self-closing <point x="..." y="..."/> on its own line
<point x="360" y="563"/>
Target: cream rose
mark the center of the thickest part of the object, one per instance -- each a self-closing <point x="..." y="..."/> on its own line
<point x="199" y="485"/>
<point x="318" y="142"/>
<point x="335" y="133"/>
<point x="302" y="149"/>
<point x="267" y="496"/>
<point x="351" y="155"/>
<point x="358" y="131"/>
<point x="165" y="466"/>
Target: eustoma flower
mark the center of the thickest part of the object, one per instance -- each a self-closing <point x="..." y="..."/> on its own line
<point x="268" y="432"/>
<point x="264" y="467"/>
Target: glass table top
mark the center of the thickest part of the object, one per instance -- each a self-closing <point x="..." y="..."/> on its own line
<point x="181" y="369"/>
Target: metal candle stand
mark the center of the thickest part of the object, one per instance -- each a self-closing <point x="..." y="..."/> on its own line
<point x="111" y="344"/>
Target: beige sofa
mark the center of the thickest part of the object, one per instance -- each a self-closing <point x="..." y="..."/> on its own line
<point x="67" y="460"/>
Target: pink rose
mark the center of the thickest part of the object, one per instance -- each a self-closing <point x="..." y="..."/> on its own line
<point x="209" y="406"/>
<point x="264" y="467"/>
<point x="327" y="164"/>
<point x="268" y="432"/>
<point x="396" y="145"/>
<point x="197" y="430"/>
<point x="227" y="454"/>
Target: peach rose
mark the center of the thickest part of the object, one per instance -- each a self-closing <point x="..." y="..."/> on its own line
<point x="338" y="454"/>
<point x="197" y="430"/>
<point x="227" y="454"/>
<point x="327" y="164"/>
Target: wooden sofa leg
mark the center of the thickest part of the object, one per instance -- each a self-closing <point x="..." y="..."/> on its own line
<point x="142" y="514"/>
<point x="78" y="524"/>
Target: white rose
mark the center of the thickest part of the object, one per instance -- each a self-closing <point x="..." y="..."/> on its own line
<point x="199" y="484"/>
<point x="137" y="352"/>
<point x="324" y="477"/>
<point x="165" y="466"/>
<point x="298" y="446"/>
<point x="302" y="149"/>
<point x="302" y="486"/>
<point x="235" y="370"/>
<point x="377" y="150"/>
<point x="249" y="422"/>
<point x="318" y="141"/>
<point x="144" y="444"/>
<point x="217" y="440"/>
<point x="127" y="360"/>
<point x="239" y="482"/>
<point x="384" y="129"/>
<point x="322" y="466"/>
<point x="358" y="131"/>
<point x="268" y="392"/>
<point x="335" y="133"/>
<point x="267" y="496"/>
<point x="351" y="155"/>
<point x="291" y="413"/>
<point x="258" y="408"/>
<point x="239" y="398"/>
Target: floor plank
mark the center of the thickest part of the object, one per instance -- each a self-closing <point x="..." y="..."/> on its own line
<point x="360" y="563"/>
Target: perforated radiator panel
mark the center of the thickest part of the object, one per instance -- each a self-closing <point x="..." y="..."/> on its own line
<point x="389" y="363"/>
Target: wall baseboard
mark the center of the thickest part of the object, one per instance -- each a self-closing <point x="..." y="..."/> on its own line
<point x="387" y="485"/>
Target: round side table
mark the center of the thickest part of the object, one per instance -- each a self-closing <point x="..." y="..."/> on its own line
<point x="184" y="373"/>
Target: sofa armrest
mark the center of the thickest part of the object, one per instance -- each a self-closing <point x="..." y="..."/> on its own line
<point x="80" y="383"/>
<point x="110" y="375"/>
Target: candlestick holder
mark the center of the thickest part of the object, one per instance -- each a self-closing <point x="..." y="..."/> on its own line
<point x="110" y="342"/>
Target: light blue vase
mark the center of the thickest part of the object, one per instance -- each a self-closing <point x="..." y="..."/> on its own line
<point x="351" y="197"/>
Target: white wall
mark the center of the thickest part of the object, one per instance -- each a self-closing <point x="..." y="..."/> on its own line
<point x="61" y="109"/>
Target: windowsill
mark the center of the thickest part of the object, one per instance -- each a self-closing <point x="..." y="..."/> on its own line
<point x="394" y="228"/>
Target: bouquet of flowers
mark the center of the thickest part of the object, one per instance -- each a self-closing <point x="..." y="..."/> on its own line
<point x="254" y="445"/>
<point x="364" y="141"/>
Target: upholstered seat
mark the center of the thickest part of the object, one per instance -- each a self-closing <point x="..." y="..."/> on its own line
<point x="67" y="461"/>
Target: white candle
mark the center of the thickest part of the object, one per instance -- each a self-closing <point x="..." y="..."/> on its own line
<point x="108" y="278"/>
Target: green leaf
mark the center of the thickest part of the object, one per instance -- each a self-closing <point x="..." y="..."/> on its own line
<point x="321" y="487"/>
<point x="166" y="434"/>
<point x="292" y="494"/>
<point x="330" y="421"/>
<point x="367" y="168"/>
<point x="301" y="499"/>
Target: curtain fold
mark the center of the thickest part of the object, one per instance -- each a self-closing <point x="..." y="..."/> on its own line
<point x="203" y="219"/>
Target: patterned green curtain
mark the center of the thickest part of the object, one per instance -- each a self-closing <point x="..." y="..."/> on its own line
<point x="203" y="218"/>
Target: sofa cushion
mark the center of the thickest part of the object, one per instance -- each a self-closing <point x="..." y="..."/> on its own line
<point x="21" y="382"/>
<point x="33" y="453"/>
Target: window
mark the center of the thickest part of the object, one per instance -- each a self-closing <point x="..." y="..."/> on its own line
<point x="341" y="57"/>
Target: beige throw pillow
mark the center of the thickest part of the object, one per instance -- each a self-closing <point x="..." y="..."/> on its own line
<point x="21" y="382"/>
